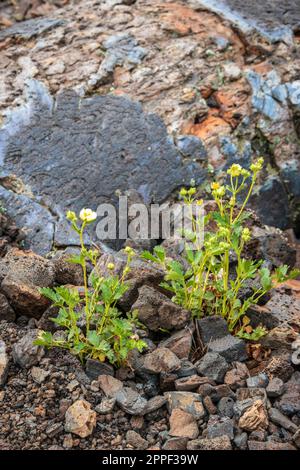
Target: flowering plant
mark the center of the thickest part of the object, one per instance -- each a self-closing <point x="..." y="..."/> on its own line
<point x="211" y="285"/>
<point x="93" y="327"/>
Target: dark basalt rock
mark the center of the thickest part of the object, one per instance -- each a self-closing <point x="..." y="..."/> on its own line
<point x="272" y="18"/>
<point x="30" y="28"/>
<point x="93" y="147"/>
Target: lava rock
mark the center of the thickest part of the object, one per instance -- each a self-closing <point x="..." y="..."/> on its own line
<point x="183" y="424"/>
<point x="153" y="157"/>
<point x="80" y="419"/>
<point x="258" y="381"/>
<point x="25" y="273"/>
<point x="296" y="439"/>
<point x="109" y="385"/>
<point x="180" y="343"/>
<point x="25" y="353"/>
<point x="39" y="375"/>
<point x="6" y="311"/>
<point x="175" y="443"/>
<point x="155" y="403"/>
<point x="106" y="406"/>
<point x="188" y="383"/>
<point x="135" y="440"/>
<point x="270" y="445"/>
<point x="289" y="402"/>
<point x="275" y="388"/>
<point x="230" y="347"/>
<point x="215" y="443"/>
<point x="161" y="360"/>
<point x="186" y="370"/>
<point x="4" y="363"/>
<point x="237" y="376"/>
<point x="192" y="147"/>
<point x="225" y="407"/>
<point x="209" y="405"/>
<point x="157" y="311"/>
<point x="255" y="417"/>
<point x="95" y="368"/>
<point x="66" y="272"/>
<point x="219" y="426"/>
<point x="30" y="28"/>
<point x="250" y="393"/>
<point x="186" y="401"/>
<point x="281" y="420"/>
<point x="241" y="441"/>
<point x="212" y="328"/>
<point x="213" y="366"/>
<point x="131" y="401"/>
<point x="167" y="381"/>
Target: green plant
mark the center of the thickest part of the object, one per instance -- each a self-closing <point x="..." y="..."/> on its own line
<point x="105" y="334"/>
<point x="208" y="286"/>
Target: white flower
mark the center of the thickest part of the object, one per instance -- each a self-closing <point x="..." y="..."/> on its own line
<point x="87" y="215"/>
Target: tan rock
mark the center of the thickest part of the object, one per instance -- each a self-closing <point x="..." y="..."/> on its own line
<point x="183" y="424"/>
<point x="4" y="362"/>
<point x="80" y="419"/>
<point x="161" y="360"/>
<point x="23" y="273"/>
<point x="254" y="418"/>
<point x="109" y="385"/>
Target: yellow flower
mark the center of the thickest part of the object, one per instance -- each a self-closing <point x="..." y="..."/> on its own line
<point x="199" y="202"/>
<point x="220" y="192"/>
<point x="224" y="246"/>
<point x="215" y="185"/>
<point x="129" y="250"/>
<point x="111" y="266"/>
<point x="235" y="170"/>
<point x="87" y="215"/>
<point x="257" y="166"/>
<point x="192" y="191"/>
<point x="246" y="234"/>
<point x="245" y="173"/>
<point x="183" y="192"/>
<point x="71" y="216"/>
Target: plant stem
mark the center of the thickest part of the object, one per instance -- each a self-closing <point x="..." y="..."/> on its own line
<point x="85" y="279"/>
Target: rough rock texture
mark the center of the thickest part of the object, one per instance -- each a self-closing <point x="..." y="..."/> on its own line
<point x="161" y="360"/>
<point x="255" y="417"/>
<point x="109" y="385"/>
<point x="156" y="311"/>
<point x="6" y="311"/>
<point x="272" y="18"/>
<point x="25" y="353"/>
<point x="142" y="157"/>
<point x="180" y="343"/>
<point x="21" y="275"/>
<point x="131" y="401"/>
<point x="183" y="424"/>
<point x="233" y="91"/>
<point x="80" y="419"/>
<point x="186" y="401"/>
<point x="215" y="443"/>
<point x="4" y="363"/>
<point x="213" y="365"/>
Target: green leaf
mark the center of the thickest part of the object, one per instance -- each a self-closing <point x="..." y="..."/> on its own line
<point x="265" y="279"/>
<point x="148" y="256"/>
<point x="160" y="252"/>
<point x="76" y="259"/>
<point x="93" y="338"/>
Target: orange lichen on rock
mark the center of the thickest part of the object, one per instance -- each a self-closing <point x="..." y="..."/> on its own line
<point x="210" y="128"/>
